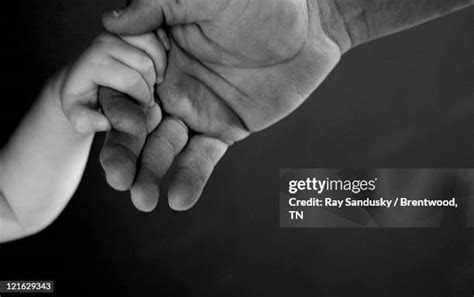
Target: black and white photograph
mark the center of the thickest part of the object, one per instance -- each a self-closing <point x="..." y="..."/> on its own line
<point x="254" y="148"/>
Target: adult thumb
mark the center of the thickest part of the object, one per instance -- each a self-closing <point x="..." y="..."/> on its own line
<point x="143" y="16"/>
<point x="139" y="17"/>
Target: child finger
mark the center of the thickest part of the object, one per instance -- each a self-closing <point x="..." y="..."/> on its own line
<point x="87" y="120"/>
<point x="135" y="58"/>
<point x="121" y="77"/>
<point x="153" y="47"/>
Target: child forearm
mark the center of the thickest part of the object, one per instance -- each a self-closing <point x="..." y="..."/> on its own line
<point x="43" y="163"/>
<point x="41" y="167"/>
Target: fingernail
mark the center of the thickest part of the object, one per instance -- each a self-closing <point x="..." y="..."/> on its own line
<point x="117" y="13"/>
<point x="159" y="79"/>
<point x="103" y="125"/>
<point x="152" y="98"/>
<point x="164" y="39"/>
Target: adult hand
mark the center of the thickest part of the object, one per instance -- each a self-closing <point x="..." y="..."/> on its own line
<point x="234" y="68"/>
<point x="237" y="67"/>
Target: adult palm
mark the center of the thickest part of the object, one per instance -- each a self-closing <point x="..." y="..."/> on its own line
<point x="235" y="67"/>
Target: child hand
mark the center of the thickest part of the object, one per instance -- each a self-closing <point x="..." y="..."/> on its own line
<point x="131" y="65"/>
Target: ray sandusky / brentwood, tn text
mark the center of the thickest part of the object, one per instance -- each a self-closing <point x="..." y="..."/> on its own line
<point x="355" y="186"/>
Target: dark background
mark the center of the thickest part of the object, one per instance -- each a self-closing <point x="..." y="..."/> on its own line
<point x="403" y="101"/>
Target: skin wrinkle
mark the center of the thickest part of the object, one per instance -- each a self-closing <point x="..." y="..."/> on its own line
<point x="369" y="19"/>
<point x="202" y="84"/>
<point x="235" y="54"/>
<point x="10" y="212"/>
<point x="136" y="136"/>
<point x="242" y="123"/>
<point x="143" y="77"/>
<point x="343" y="35"/>
<point x="171" y="146"/>
<point x="284" y="61"/>
<point x="297" y="93"/>
<point x="126" y="149"/>
<point x="127" y="138"/>
<point x="244" y="9"/>
<point x="195" y="172"/>
<point x="152" y="167"/>
<point x="253" y="101"/>
<point x="132" y="126"/>
<point x="210" y="119"/>
<point x="361" y="15"/>
<point x="210" y="41"/>
<point x="329" y="32"/>
<point x="181" y="123"/>
<point x="243" y="95"/>
<point x="170" y="18"/>
<point x="204" y="153"/>
<point x="301" y="46"/>
<point x="351" y="39"/>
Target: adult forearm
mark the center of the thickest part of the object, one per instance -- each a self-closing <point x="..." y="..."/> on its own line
<point x="366" y="20"/>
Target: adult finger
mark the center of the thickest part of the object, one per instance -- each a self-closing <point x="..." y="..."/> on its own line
<point x="153" y="117"/>
<point x="161" y="148"/>
<point x="194" y="167"/>
<point x="125" y="141"/>
<point x="143" y="16"/>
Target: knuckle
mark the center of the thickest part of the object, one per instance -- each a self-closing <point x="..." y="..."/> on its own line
<point x="204" y="157"/>
<point x="80" y="121"/>
<point x="132" y="125"/>
<point x="169" y="145"/>
<point x="175" y="100"/>
<point x="131" y="122"/>
<point x="180" y="126"/>
<point x="171" y="140"/>
<point x="195" y="174"/>
<point x="132" y="79"/>
<point x="104" y="38"/>
<point x="153" y="116"/>
<point x="147" y="64"/>
<point x="210" y="149"/>
<point x="95" y="54"/>
<point x="149" y="37"/>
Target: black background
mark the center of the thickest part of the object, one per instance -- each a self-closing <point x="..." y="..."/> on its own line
<point x="403" y="101"/>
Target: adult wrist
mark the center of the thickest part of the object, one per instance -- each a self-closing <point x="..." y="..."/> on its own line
<point x="366" y="20"/>
<point x="333" y="23"/>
